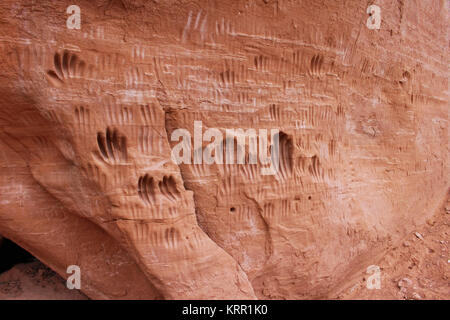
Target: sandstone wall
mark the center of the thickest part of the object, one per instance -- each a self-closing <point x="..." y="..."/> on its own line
<point x="86" y="116"/>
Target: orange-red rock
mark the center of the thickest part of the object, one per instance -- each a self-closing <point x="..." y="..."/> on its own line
<point x="86" y="118"/>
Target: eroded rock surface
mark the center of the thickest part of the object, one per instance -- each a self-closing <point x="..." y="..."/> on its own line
<point x="87" y="116"/>
<point x="34" y="281"/>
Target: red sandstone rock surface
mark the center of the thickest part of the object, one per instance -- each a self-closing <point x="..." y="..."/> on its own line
<point x="87" y="116"/>
<point x="34" y="281"/>
<point x="417" y="268"/>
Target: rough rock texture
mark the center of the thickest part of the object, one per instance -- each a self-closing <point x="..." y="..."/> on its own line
<point x="416" y="269"/>
<point x="86" y="116"/>
<point x="34" y="281"/>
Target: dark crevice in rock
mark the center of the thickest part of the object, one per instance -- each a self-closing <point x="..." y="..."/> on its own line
<point x="11" y="254"/>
